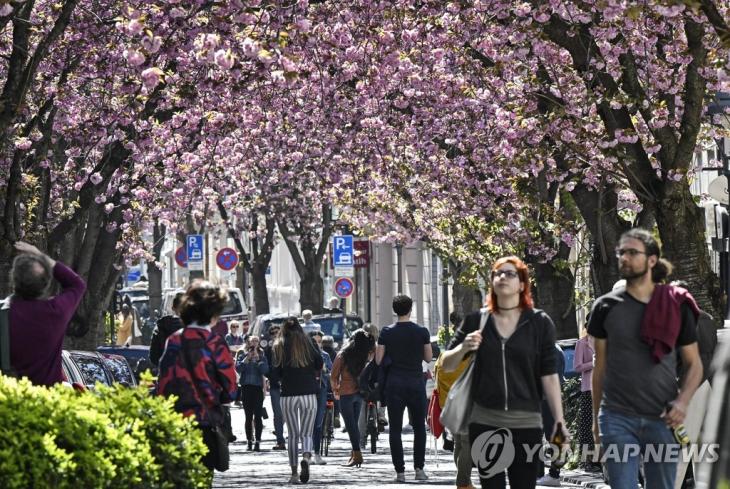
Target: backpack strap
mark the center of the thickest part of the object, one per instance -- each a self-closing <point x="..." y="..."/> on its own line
<point x="5" y="367"/>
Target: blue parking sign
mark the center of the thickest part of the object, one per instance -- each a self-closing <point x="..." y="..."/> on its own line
<point x="194" y="245"/>
<point x="343" y="250"/>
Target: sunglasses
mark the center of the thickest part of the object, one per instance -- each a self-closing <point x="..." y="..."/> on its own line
<point x="506" y="273"/>
<point x="628" y="251"/>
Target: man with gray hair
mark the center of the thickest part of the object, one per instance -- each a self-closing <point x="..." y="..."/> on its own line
<point x="38" y="323"/>
<point x="309" y="326"/>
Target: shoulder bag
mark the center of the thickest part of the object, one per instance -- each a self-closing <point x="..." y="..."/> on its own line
<point x="457" y="410"/>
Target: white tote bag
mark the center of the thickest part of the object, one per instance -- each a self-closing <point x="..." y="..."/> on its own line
<point x="457" y="410"/>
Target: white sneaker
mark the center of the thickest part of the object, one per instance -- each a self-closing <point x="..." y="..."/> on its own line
<point x="294" y="479"/>
<point x="400" y="477"/>
<point x="548" y="480"/>
<point x="421" y="475"/>
<point x="318" y="460"/>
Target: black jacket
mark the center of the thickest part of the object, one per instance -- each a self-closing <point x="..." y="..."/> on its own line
<point x="528" y="355"/>
<point x="300" y="381"/>
<point x="165" y="326"/>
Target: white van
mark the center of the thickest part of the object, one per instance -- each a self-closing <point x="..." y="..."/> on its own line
<point x="234" y="310"/>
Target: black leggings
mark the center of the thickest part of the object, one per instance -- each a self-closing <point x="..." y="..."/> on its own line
<point x="521" y="471"/>
<point x="253" y="406"/>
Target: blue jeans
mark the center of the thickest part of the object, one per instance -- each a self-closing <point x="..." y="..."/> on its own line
<point x="351" y="405"/>
<point x="319" y="418"/>
<point x="410" y="393"/>
<point x="628" y="436"/>
<point x="278" y="417"/>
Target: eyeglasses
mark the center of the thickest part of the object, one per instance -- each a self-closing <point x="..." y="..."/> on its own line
<point x="506" y="273"/>
<point x="628" y="251"/>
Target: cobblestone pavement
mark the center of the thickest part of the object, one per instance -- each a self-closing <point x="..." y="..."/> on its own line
<point x="270" y="469"/>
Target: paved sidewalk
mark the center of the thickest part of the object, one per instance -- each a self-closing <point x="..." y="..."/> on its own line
<point x="269" y="469"/>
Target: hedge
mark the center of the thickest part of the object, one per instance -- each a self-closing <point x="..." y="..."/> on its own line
<point x="111" y="437"/>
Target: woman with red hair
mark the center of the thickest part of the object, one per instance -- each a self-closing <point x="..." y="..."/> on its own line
<point x="514" y="348"/>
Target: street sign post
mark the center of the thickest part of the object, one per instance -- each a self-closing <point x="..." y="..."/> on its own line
<point x="195" y="251"/>
<point x="227" y="259"/>
<point x="344" y="287"/>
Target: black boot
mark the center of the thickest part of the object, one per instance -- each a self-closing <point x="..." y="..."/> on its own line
<point x="250" y="445"/>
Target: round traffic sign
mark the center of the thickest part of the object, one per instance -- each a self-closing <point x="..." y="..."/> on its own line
<point x="227" y="259"/>
<point x="344" y="287"/>
<point x="181" y="257"/>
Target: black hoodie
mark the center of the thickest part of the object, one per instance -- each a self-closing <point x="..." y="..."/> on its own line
<point x="528" y="355"/>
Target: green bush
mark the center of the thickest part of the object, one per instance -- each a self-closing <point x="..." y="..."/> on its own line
<point x="112" y="437"/>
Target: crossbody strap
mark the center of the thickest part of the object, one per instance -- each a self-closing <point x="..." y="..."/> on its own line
<point x="5" y="367"/>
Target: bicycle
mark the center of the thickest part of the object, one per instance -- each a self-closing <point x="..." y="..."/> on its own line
<point x="328" y="424"/>
<point x="372" y="428"/>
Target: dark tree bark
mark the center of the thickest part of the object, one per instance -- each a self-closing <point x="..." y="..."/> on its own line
<point x="466" y="298"/>
<point x="154" y="274"/>
<point x="262" y="249"/>
<point x="308" y="254"/>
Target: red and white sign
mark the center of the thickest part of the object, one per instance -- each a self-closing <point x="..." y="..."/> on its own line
<point x="181" y="257"/>
<point x="344" y="287"/>
<point x="227" y="259"/>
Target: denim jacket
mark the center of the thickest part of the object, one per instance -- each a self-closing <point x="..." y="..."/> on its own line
<point x="252" y="373"/>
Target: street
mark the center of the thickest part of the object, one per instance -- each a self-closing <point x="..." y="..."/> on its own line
<point x="268" y="468"/>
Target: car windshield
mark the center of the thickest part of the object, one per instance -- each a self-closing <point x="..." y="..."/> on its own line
<point x="233" y="306"/>
<point x="331" y="326"/>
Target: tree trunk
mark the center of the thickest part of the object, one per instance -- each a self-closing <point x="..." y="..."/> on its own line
<point x="311" y="291"/>
<point x="681" y="225"/>
<point x="555" y="293"/>
<point x="154" y="274"/>
<point x="260" y="290"/>
<point x="308" y="257"/>
<point x="466" y="298"/>
<point x="600" y="213"/>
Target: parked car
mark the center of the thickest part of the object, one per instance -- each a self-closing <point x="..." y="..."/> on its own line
<point x="263" y="323"/>
<point x="93" y="368"/>
<point x="234" y="310"/>
<point x="137" y="356"/>
<point x="72" y="376"/>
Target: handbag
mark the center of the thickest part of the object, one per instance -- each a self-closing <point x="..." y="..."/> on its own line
<point x="457" y="410"/>
<point x="217" y="435"/>
<point x="434" y="415"/>
<point x="264" y="413"/>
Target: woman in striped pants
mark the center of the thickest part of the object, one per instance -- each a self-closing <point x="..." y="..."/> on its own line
<point x="299" y="365"/>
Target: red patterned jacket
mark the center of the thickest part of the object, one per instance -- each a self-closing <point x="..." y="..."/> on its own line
<point x="204" y="386"/>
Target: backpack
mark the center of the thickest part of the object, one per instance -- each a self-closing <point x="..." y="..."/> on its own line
<point x="367" y="382"/>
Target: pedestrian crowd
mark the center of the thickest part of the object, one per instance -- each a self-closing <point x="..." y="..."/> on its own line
<point x="643" y="360"/>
